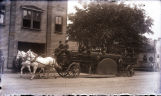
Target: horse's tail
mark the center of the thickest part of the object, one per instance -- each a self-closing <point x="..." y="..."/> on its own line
<point x="55" y="63"/>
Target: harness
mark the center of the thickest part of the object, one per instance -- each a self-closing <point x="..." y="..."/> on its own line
<point x="34" y="60"/>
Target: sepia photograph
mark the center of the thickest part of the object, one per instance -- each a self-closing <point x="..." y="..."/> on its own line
<point x="80" y="47"/>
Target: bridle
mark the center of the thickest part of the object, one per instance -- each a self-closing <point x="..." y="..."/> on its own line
<point x="32" y="59"/>
<point x="20" y="55"/>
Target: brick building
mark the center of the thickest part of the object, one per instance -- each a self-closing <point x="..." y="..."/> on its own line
<point x="35" y="25"/>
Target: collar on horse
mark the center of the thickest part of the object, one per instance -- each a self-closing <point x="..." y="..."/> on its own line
<point x="34" y="60"/>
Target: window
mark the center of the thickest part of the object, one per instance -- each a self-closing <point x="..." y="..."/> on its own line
<point x="58" y="24"/>
<point x="144" y="58"/>
<point x="36" y="20"/>
<point x="31" y="19"/>
<point x="27" y="18"/>
<point x="2" y="13"/>
<point x="157" y="55"/>
<point x="151" y="59"/>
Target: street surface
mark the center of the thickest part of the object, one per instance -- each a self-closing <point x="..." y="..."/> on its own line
<point x="140" y="83"/>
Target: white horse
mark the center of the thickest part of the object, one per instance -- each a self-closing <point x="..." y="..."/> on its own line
<point x="40" y="62"/>
<point x="20" y="54"/>
<point x="25" y="61"/>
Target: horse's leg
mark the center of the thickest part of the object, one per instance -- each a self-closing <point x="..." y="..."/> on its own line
<point x="46" y="70"/>
<point x="47" y="74"/>
<point x="29" y="69"/>
<point x="34" y="71"/>
<point x="54" y="72"/>
<point x="41" y="70"/>
<point x="22" y="70"/>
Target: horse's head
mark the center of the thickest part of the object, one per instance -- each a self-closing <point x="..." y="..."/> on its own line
<point x="20" y="55"/>
<point x="30" y="55"/>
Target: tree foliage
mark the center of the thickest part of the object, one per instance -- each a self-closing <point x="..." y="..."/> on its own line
<point x="100" y="25"/>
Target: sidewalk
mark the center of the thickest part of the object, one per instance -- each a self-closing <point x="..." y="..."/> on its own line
<point x="82" y="75"/>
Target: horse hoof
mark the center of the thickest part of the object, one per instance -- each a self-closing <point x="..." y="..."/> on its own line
<point x="55" y="77"/>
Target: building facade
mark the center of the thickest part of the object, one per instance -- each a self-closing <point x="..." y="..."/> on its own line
<point x="158" y="52"/>
<point x="35" y="25"/>
<point x="149" y="59"/>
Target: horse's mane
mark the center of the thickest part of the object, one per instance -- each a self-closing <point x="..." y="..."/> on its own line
<point x="34" y="54"/>
<point x="23" y="52"/>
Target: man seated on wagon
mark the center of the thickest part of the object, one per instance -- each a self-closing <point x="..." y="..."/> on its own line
<point x="59" y="50"/>
<point x="66" y="47"/>
<point x="60" y="45"/>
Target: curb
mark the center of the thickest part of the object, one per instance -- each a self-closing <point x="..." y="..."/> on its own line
<point x="96" y="76"/>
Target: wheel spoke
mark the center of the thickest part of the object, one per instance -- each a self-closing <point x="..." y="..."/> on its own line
<point x="74" y="71"/>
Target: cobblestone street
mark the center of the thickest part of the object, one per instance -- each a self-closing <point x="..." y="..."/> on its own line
<point x="141" y="83"/>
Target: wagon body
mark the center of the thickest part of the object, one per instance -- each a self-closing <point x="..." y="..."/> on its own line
<point x="87" y="63"/>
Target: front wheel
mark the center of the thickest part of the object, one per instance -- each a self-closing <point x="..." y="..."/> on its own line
<point x="62" y="73"/>
<point x="74" y="70"/>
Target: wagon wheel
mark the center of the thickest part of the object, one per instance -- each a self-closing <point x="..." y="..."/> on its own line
<point x="74" y="70"/>
<point x="62" y="73"/>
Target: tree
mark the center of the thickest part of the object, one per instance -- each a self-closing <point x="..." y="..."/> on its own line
<point x="100" y="25"/>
